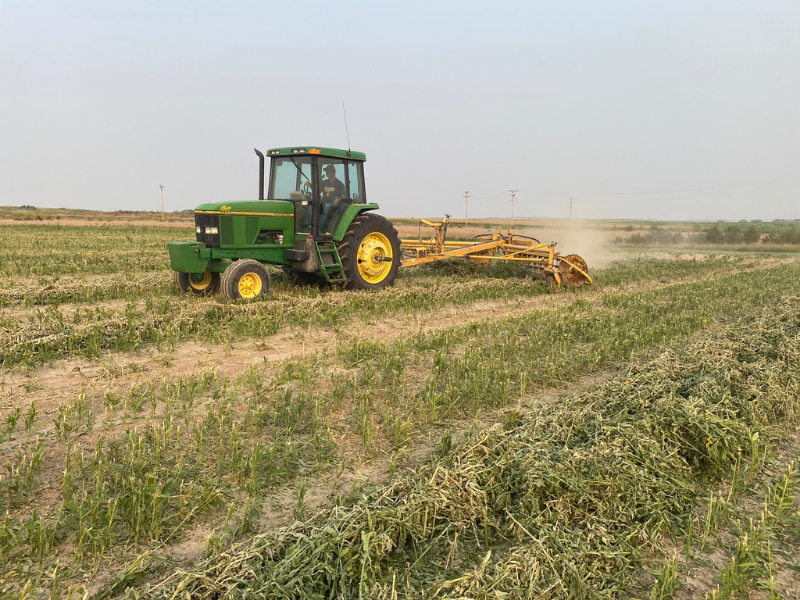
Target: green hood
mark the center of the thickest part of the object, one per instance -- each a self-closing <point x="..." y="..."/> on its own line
<point x="250" y="207"/>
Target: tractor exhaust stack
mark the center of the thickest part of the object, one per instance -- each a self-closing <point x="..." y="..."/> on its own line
<point x="260" y="174"/>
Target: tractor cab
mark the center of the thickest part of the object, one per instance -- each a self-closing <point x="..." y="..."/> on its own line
<point x="322" y="183"/>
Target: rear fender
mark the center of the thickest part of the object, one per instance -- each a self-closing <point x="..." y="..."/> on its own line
<point x="350" y="213"/>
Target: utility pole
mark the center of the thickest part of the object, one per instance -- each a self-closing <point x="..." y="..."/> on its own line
<point x="162" y="201"/>
<point x="466" y="212"/>
<point x="513" y="193"/>
<point x="570" y="209"/>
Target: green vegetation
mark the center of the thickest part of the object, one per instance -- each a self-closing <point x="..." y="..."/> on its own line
<point x="145" y="445"/>
<point x="718" y="234"/>
<point x="63" y="250"/>
<point x="30" y="213"/>
<point x="552" y="503"/>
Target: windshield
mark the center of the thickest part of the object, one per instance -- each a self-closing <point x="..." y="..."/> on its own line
<point x="291" y="178"/>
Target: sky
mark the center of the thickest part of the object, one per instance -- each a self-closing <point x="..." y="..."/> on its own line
<point x="684" y="110"/>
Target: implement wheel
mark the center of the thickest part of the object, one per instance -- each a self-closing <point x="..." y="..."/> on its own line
<point x="246" y="279"/>
<point x="199" y="284"/>
<point x="370" y="253"/>
<point x="569" y="274"/>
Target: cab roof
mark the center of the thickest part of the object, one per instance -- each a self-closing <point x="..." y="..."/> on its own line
<point x="319" y="151"/>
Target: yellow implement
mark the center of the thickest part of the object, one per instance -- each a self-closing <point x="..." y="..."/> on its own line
<point x="568" y="270"/>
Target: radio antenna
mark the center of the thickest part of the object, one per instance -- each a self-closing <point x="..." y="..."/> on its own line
<point x="344" y="112"/>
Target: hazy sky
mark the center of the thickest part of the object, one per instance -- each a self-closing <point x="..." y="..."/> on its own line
<point x="679" y="109"/>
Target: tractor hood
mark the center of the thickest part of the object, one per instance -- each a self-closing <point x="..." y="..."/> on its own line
<point x="271" y="208"/>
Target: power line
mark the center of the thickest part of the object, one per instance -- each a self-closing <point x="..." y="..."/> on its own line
<point x="513" y="193"/>
<point x="701" y="189"/>
<point x="466" y="209"/>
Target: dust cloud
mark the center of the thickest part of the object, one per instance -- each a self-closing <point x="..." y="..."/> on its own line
<point x="590" y="240"/>
<point x="586" y="240"/>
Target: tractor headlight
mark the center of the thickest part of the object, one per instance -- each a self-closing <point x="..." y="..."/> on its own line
<point x="199" y="229"/>
<point x="212" y="230"/>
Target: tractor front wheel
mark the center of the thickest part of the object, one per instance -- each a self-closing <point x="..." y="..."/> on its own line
<point x="245" y="279"/>
<point x="199" y="284"/>
<point x="370" y="253"/>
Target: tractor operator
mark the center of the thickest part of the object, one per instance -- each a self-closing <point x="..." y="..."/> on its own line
<point x="332" y="189"/>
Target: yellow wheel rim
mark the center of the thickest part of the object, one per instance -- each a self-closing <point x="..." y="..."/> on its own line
<point x="371" y="254"/>
<point x="250" y="285"/>
<point x="200" y="281"/>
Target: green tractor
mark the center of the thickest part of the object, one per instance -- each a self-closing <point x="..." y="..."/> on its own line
<point x="315" y="224"/>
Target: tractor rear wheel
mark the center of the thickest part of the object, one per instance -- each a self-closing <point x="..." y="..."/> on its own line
<point x="199" y="284"/>
<point x="370" y="253"/>
<point x="245" y="279"/>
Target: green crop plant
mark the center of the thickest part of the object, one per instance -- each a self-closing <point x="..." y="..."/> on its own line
<point x="12" y="418"/>
<point x="301" y="506"/>
<point x="30" y="416"/>
<point x="752" y="559"/>
<point x="22" y="476"/>
<point x="73" y="417"/>
<point x="666" y="580"/>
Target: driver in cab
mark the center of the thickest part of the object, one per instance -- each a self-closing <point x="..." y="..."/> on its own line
<point x="332" y="189"/>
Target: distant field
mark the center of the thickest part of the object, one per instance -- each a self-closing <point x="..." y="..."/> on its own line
<point x="144" y="432"/>
<point x="15" y="213"/>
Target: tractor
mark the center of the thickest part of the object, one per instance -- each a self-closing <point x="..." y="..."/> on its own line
<point x="315" y="223"/>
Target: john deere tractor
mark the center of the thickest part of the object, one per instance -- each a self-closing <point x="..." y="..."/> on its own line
<point x="315" y="223"/>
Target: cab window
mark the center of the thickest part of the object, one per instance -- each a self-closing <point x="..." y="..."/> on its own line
<point x="332" y="180"/>
<point x="291" y="178"/>
<point x="355" y="192"/>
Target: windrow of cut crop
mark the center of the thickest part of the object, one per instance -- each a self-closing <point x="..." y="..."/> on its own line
<point x="557" y="501"/>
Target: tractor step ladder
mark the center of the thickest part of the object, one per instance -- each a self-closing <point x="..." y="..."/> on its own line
<point x="333" y="271"/>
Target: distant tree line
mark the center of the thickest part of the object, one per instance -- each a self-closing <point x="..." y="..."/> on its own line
<point x="717" y="235"/>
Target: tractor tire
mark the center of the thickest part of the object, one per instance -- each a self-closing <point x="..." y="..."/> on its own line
<point x="246" y="279"/>
<point x="370" y="253"/>
<point x="199" y="284"/>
